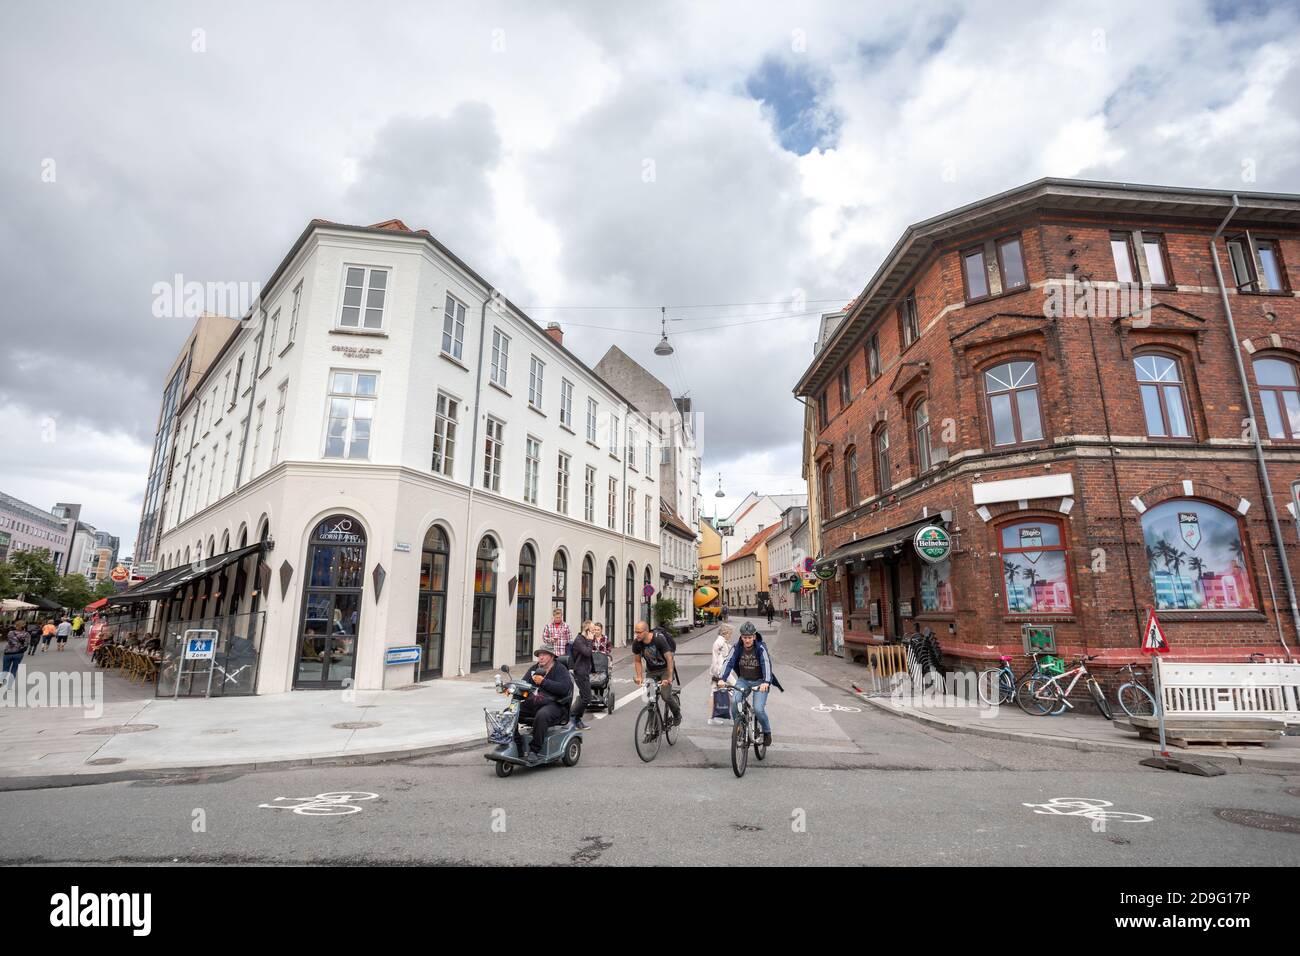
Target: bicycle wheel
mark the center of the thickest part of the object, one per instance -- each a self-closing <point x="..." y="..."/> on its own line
<point x="1136" y="701"/>
<point x="989" y="686"/>
<point x="1038" y="696"/>
<point x="739" y="747"/>
<point x="1007" y="688"/>
<point x="1099" y="698"/>
<point x="646" y="734"/>
<point x="760" y="748"/>
<point x="666" y="721"/>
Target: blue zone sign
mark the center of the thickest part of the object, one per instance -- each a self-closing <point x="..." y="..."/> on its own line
<point x="409" y="654"/>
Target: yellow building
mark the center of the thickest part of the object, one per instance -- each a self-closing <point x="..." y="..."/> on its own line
<point x="710" y="557"/>
<point x="745" y="576"/>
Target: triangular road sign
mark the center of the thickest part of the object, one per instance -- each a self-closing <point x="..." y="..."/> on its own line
<point x="1153" y="638"/>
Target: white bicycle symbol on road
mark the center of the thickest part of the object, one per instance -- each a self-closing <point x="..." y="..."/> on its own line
<point x="333" y="804"/>
<point x="832" y="708"/>
<point x="1089" y="808"/>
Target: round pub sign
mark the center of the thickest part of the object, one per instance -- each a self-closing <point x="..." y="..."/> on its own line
<point x="119" y="574"/>
<point x="933" y="543"/>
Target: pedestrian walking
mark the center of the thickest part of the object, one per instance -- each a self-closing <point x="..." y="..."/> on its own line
<point x="62" y="633"/>
<point x="771" y="613"/>
<point x="33" y="636"/>
<point x="721" y="654"/>
<point x="78" y="626"/>
<point x="47" y="635"/>
<point x="14" y="647"/>
<point x="580" y="657"/>
<point x="557" y="635"/>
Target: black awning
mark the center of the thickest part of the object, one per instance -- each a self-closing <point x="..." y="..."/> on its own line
<point x="876" y="546"/>
<point x="45" y="604"/>
<point x="161" y="585"/>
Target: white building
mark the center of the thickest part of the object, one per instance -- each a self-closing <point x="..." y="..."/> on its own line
<point x="751" y="516"/>
<point x="781" y="558"/>
<point x="679" y="564"/>
<point x="389" y="453"/>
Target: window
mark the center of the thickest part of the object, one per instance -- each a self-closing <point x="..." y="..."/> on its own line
<point x="631" y="510"/>
<point x="629" y="602"/>
<point x="453" y="328"/>
<point x="1256" y="264"/>
<point x="588" y="587"/>
<point x="613" y="503"/>
<point x="493" y="448"/>
<point x="827" y="511"/>
<point x="851" y="497"/>
<point x="275" y="329"/>
<point x="293" y="314"/>
<point x="823" y="409"/>
<point x="591" y="420"/>
<point x="257" y="439"/>
<point x="613" y="435"/>
<point x="562" y="485"/>
<point x="846" y="386"/>
<point x="536" y="368"/>
<point x="1279" y="393"/>
<point x="936" y="588"/>
<point x="525" y="596"/>
<point x="363" y="298"/>
<point x="332" y="600"/>
<point x="649" y="456"/>
<point x="566" y="403"/>
<point x="483" y="623"/>
<point x="1154" y="258"/>
<point x="560" y="584"/>
<point x="589" y="495"/>
<point x="975" y="274"/>
<point x="1196" y="557"/>
<point x="351" y="415"/>
<point x="500" y="357"/>
<point x="648" y="518"/>
<point x="1035" y="568"/>
<point x="611" y="574"/>
<point x="631" y="447"/>
<point x="239" y="371"/>
<point x="532" y="464"/>
<point x="431" y="612"/>
<point x="883" y="478"/>
<point x="921" y="433"/>
<point x="279" y="422"/>
<point x="1011" y="260"/>
<point x="444" y="435"/>
<point x="873" y="357"/>
<point x="1121" y="250"/>
<point x="1163" y="400"/>
<point x="908" y="322"/>
<point x="1012" y="391"/>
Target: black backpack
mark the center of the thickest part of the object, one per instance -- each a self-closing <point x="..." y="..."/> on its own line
<point x="668" y="638"/>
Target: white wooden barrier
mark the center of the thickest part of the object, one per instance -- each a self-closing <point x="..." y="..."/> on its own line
<point x="1231" y="690"/>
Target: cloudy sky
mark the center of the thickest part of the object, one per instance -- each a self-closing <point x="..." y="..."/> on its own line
<point x="746" y="165"/>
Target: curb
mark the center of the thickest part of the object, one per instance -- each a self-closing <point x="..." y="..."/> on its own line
<point x="1075" y="743"/>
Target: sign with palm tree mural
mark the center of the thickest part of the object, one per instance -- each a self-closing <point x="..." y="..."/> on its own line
<point x="1195" y="558"/>
<point x="1034" y="568"/>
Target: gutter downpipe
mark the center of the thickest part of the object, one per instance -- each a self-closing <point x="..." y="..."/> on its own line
<point x="465" y="608"/>
<point x="1254" y="429"/>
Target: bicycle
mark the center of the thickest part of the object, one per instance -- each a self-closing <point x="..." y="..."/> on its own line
<point x="653" y="722"/>
<point x="997" y="685"/>
<point x="1133" y="696"/>
<point x="1040" y="695"/>
<point x="745" y="731"/>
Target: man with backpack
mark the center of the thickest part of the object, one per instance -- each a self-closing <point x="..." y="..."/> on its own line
<point x="652" y="654"/>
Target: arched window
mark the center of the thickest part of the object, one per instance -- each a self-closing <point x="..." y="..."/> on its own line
<point x="1279" y="393"/>
<point x="1196" y="557"/>
<point x="588" y="584"/>
<point x="483" y="625"/>
<point x="1013" y="407"/>
<point x="1035" y="567"/>
<point x="524" y="602"/>
<point x="332" y="592"/>
<point x="243" y="535"/>
<point x="629" y="602"/>
<point x="827" y="491"/>
<point x="851" y="496"/>
<point x="645" y="598"/>
<point x="611" y="575"/>
<point x="881" y="441"/>
<point x="225" y="542"/>
<point x="921" y="435"/>
<point x="1163" y="400"/>
<point x="431" y="614"/>
<point x="560" y="585"/>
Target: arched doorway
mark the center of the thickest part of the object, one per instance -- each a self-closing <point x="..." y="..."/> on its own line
<point x="431" y="615"/>
<point x="331" y="603"/>
<point x="611" y="581"/>
<point x="525" y="600"/>
<point x="560" y="585"/>
<point x="629" y="603"/>
<point x="483" y="625"/>
<point x="588" y="583"/>
<point x="645" y="597"/>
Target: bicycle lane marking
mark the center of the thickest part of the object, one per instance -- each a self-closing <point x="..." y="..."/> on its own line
<point x="329" y="804"/>
<point x="1090" y="808"/>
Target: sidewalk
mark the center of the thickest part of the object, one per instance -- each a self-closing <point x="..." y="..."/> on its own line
<point x="1069" y="731"/>
<point x="136" y="734"/>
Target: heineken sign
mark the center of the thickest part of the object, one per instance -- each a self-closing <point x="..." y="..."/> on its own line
<point x="825" y="573"/>
<point x="933" y="543"/>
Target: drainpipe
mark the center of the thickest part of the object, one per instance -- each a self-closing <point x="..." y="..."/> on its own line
<point x="1254" y="429"/>
<point x="471" y="547"/>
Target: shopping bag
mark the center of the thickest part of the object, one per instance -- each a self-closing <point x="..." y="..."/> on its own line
<point x="722" y="703"/>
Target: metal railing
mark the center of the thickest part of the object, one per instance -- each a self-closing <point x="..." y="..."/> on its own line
<point x="233" y="667"/>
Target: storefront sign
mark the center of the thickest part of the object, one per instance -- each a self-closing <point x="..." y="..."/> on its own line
<point x="120" y="574"/>
<point x="146" y="569"/>
<point x="825" y="573"/>
<point x="357" y="351"/>
<point x="408" y="654"/>
<point x="932" y="543"/>
<point x="904" y="608"/>
<point x="340" y="531"/>
<point x="1031" y="537"/>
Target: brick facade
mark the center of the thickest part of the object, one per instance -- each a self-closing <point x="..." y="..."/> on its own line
<point x="1216" y="601"/>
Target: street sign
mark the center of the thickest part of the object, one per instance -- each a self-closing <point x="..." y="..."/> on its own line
<point x="1153" y="638"/>
<point x="932" y="543"/>
<point x="648" y="591"/>
<point x="406" y="654"/>
<point x="200" y="648"/>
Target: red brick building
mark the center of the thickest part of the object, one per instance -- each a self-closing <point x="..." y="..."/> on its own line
<point x="1050" y="375"/>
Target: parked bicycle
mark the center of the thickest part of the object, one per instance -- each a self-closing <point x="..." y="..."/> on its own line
<point x="746" y="731"/>
<point x="997" y="685"/>
<point x="1133" y="696"/>
<point x="655" y="722"/>
<point x="1040" y="695"/>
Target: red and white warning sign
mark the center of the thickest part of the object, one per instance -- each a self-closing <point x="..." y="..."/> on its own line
<point x="1153" y="637"/>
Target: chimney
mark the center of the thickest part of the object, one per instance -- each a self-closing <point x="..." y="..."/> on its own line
<point x="554" y="331"/>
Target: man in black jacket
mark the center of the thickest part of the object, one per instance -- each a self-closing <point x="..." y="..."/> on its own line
<point x="546" y="705"/>
<point x="580" y="660"/>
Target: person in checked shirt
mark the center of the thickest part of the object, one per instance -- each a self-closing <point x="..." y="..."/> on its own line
<point x="556" y="635"/>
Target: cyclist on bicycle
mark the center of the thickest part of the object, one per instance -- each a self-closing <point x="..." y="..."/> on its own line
<point x="653" y="649"/>
<point x="752" y="662"/>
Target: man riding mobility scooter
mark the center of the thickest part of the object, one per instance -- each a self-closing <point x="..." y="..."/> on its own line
<point x="539" y="707"/>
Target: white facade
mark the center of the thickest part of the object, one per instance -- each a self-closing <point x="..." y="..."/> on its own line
<point x="370" y="343"/>
<point x="752" y="515"/>
<point x="679" y="564"/>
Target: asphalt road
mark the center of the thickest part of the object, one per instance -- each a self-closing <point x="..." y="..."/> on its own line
<point x="838" y="787"/>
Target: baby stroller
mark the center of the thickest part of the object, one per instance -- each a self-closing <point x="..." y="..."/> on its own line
<point x="602" y="688"/>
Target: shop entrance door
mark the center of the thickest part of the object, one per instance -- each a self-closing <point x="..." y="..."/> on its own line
<point x="331" y="604"/>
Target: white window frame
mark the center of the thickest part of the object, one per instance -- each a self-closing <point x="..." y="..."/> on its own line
<point x="563" y="466"/>
<point x="446" y="420"/>
<point x="593" y="409"/>
<point x="500" y="373"/>
<point x="613" y="434"/>
<point x="279" y="420"/>
<point x="532" y="468"/>
<point x="631" y="510"/>
<point x="352" y="398"/>
<point x="589" y="495"/>
<point x="566" y="403"/>
<point x="293" y="313"/>
<point x="275" y="330"/>
<point x="612" y="520"/>
<point x="453" y="327"/>
<point x="632" y="442"/>
<point x="536" y="381"/>
<point x="366" y="287"/>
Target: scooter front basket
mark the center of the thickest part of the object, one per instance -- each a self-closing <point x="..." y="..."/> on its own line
<point x="498" y="726"/>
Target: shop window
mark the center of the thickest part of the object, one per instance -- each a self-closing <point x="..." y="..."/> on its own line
<point x="1196" y="557"/>
<point x="936" y="588"/>
<point x="431" y="613"/>
<point x="611" y="575"/>
<point x="525" y="599"/>
<point x="1164" y="402"/>
<point x="560" y="585"/>
<point x="629" y="602"/>
<point x="1035" y="568"/>
<point x="483" y="624"/>
<point x="1013" y="407"/>
<point x="1279" y="394"/>
<point x="861" y="591"/>
<point x="588" y="583"/>
<point x="331" y="615"/>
